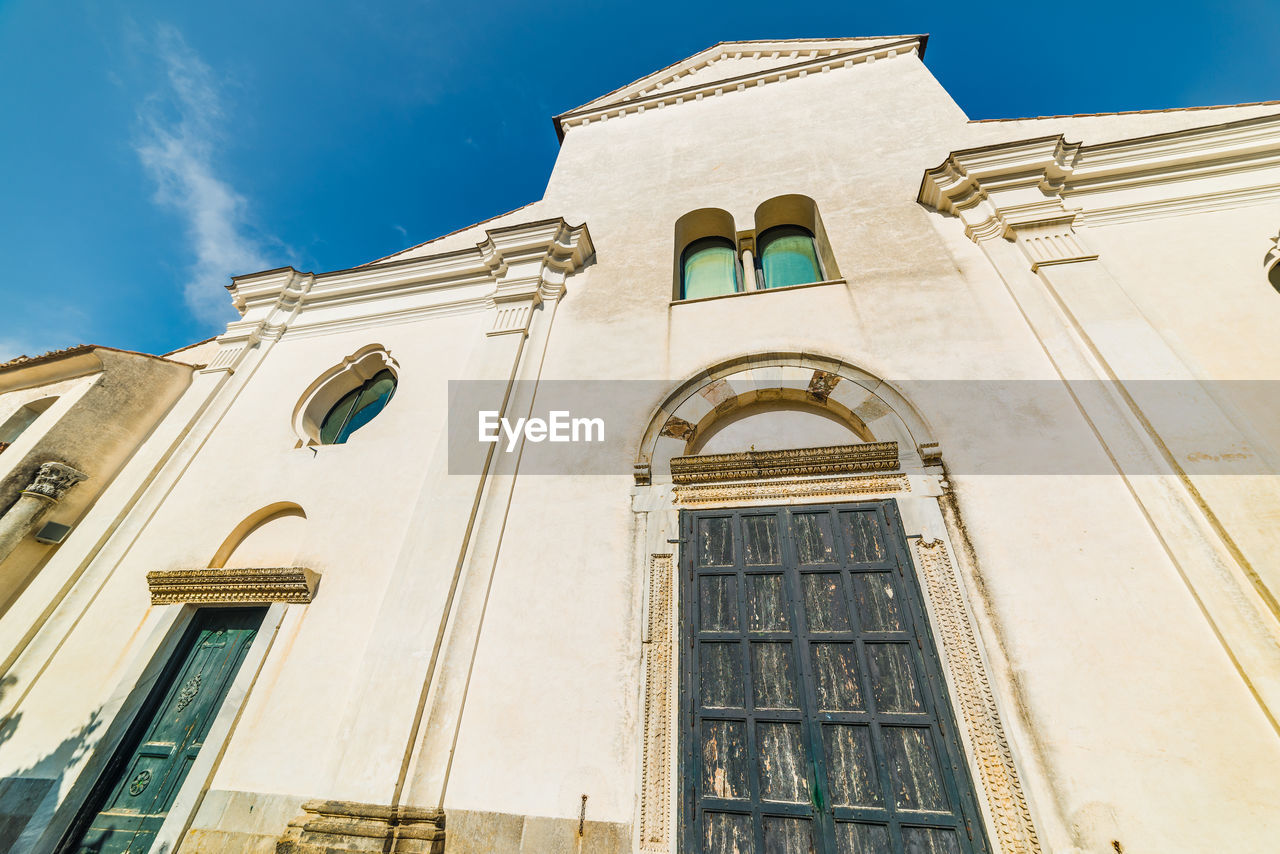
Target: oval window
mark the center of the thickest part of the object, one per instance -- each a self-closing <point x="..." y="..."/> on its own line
<point x="357" y="408"/>
<point x="788" y="257"/>
<point x="709" y="267"/>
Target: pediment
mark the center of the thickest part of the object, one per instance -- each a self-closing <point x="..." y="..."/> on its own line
<point x="738" y="64"/>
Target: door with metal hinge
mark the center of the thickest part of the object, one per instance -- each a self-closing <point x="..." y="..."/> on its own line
<point x="134" y="794"/>
<point x="814" y="715"/>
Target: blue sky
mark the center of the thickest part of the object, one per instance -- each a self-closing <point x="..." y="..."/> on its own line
<point x="151" y="150"/>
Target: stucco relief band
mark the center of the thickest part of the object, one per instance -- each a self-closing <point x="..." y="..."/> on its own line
<point x="1000" y="788"/>
<point x="655" y="793"/>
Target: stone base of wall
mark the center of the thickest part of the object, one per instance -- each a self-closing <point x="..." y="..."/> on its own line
<point x="235" y="822"/>
<point x="198" y="841"/>
<point x="339" y="827"/>
<point x="472" y="832"/>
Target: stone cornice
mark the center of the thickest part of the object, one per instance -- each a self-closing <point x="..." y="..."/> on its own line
<point x="996" y="189"/>
<point x="792" y="463"/>
<point x="657" y="97"/>
<point x="527" y="261"/>
<point x="228" y="586"/>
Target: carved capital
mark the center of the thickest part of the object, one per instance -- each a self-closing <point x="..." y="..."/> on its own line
<point x="53" y="480"/>
<point x="530" y="263"/>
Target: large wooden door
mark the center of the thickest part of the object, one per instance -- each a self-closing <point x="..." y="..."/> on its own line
<point x="133" y="797"/>
<point x="814" y="716"/>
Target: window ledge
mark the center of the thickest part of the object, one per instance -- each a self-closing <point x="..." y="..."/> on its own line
<point x="760" y="291"/>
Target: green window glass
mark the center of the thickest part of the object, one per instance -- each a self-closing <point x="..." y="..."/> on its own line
<point x="788" y="257"/>
<point x="709" y="267"/>
<point x="357" y="408"/>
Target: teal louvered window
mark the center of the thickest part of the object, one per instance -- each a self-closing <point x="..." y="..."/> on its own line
<point x="708" y="268"/>
<point x="788" y="257"/>
<point x="357" y="408"/>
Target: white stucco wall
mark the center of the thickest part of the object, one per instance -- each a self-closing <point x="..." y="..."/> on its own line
<point x="1127" y="714"/>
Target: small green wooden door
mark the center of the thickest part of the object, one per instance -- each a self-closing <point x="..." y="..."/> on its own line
<point x="133" y="797"/>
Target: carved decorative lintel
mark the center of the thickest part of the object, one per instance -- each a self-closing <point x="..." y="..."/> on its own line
<point x="997" y="774"/>
<point x="295" y="584"/>
<point x="789" y="489"/>
<point x="53" y="480"/>
<point x="793" y="463"/>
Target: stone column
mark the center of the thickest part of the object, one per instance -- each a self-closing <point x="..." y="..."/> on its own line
<point x="51" y="482"/>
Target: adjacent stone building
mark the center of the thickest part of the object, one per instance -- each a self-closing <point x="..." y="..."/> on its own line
<point x="918" y="495"/>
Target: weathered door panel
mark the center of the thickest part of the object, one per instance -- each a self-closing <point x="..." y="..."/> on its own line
<point x="814" y="715"/>
<point x="132" y="799"/>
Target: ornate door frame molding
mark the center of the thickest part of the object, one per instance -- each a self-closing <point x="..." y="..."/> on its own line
<point x="790" y="477"/>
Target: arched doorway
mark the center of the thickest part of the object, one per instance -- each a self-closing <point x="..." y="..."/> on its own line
<point x="799" y="693"/>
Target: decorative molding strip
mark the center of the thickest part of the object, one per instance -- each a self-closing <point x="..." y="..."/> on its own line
<point x="216" y="586"/>
<point x="790" y="489"/>
<point x="655" y="98"/>
<point x="1179" y="206"/>
<point x="529" y="261"/>
<point x="332" y="827"/>
<point x="988" y="188"/>
<point x="792" y="463"/>
<point x="52" y="481"/>
<point x="1011" y="817"/>
<point x="659" y="653"/>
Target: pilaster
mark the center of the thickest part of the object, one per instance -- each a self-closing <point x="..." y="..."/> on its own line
<point x="1014" y="202"/>
<point x="430" y="619"/>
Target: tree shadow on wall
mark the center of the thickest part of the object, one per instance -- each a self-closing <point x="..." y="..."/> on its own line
<point x="32" y="791"/>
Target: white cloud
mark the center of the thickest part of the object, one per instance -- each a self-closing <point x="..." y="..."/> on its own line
<point x="181" y="128"/>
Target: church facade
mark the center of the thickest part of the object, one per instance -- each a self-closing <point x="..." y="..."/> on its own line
<point x="811" y="469"/>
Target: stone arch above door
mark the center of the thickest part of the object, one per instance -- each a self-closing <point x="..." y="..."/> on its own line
<point x="870" y="408"/>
